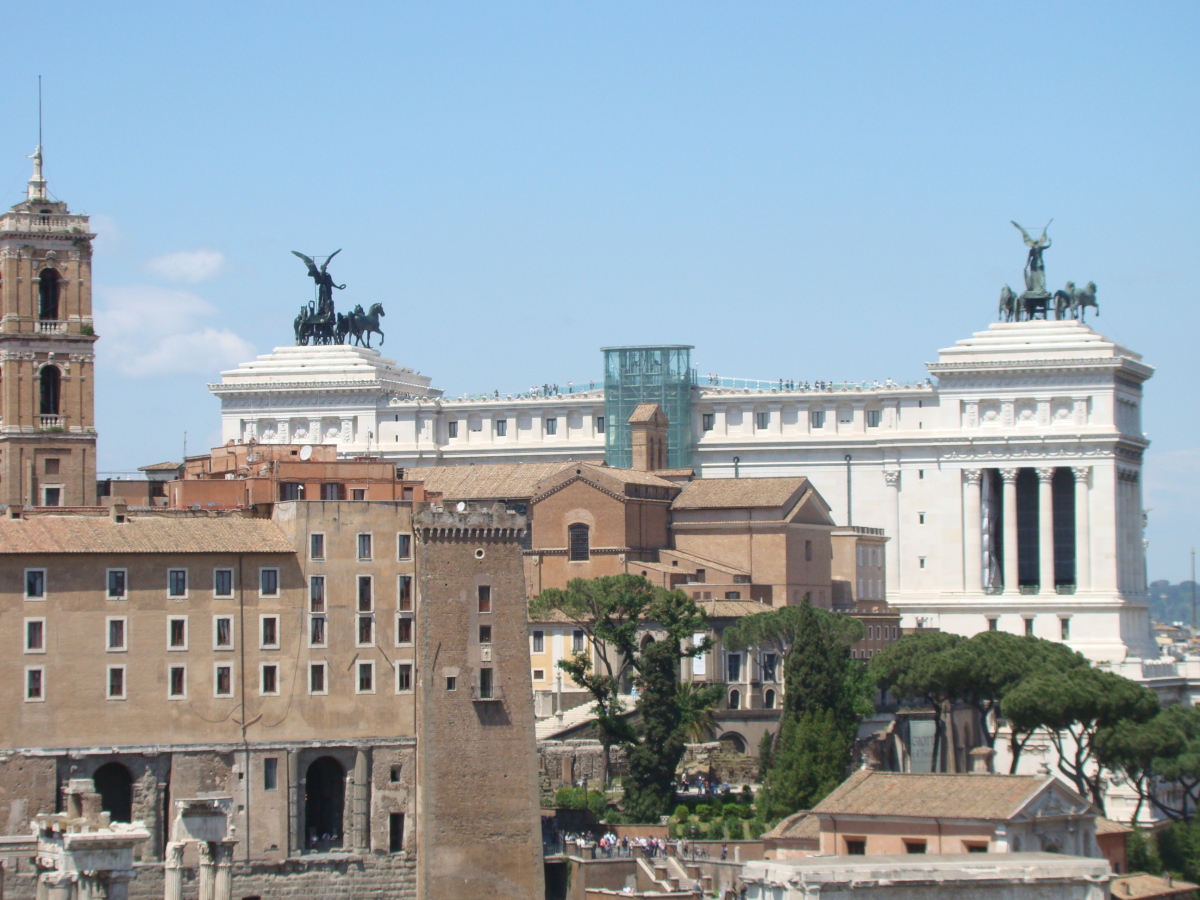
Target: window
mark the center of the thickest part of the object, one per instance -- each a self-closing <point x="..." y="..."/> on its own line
<point x="452" y="430"/>
<point x="35" y="584"/>
<point x="316" y="594"/>
<point x="993" y="623"/>
<point x="873" y="417"/>
<point x="975" y="846"/>
<point x="223" y="633"/>
<point x="115" y="683"/>
<point x="451" y="683"/>
<point x="52" y="466"/>
<point x="366" y="631"/>
<point x="404" y="598"/>
<point x="539" y="674"/>
<point x="920" y="518"/>
<point x="268" y="632"/>
<point x="914" y="846"/>
<point x="177" y="633"/>
<point x="577" y="641"/>
<point x="578" y="540"/>
<point x="332" y="490"/>
<point x="770" y="664"/>
<point x="364" y="546"/>
<point x="404" y="630"/>
<point x="733" y="595"/>
<point x="485" y="598"/>
<point x="487" y="689"/>
<point x="35" y="684"/>
<point x="270" y="773"/>
<point x="317" y="683"/>
<point x="358" y="494"/>
<point x="762" y="421"/>
<point x="599" y="424"/>
<point x="921" y="562"/>
<point x="50" y="390"/>
<point x="733" y="667"/>
<point x="1064" y="626"/>
<point x="808" y="553"/>
<point x="291" y="491"/>
<point x="920" y="474"/>
<point x="366" y="600"/>
<point x="501" y="427"/>
<point x="708" y="421"/>
<point x="223" y="583"/>
<point x="268" y="582"/>
<point x="395" y="832"/>
<point x="52" y="496"/>
<point x="735" y="699"/>
<point x="816" y="419"/>
<point x="404" y="546"/>
<point x="176" y="582"/>
<point x="316" y="546"/>
<point x="117" y="630"/>
<point x="366" y="678"/>
<point x="551" y="425"/>
<point x="269" y="679"/>
<point x="1029" y="627"/>
<point x="316" y="631"/>
<point x="403" y="678"/>
<point x="35" y="635"/>
<point x="769" y="700"/>
<point x="177" y="682"/>
<point x="485" y="634"/>
<point x="223" y="680"/>
<point x="856" y="846"/>
<point x="539" y="642"/>
<point x="116" y="584"/>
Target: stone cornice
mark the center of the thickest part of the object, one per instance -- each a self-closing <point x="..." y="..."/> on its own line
<point x="1040" y="365"/>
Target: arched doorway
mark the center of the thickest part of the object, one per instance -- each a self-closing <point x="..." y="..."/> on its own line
<point x="51" y="388"/>
<point x="769" y="699"/>
<point x="114" y="784"/>
<point x="48" y="295"/>
<point x="735" y="699"/>
<point x="734" y="742"/>
<point x="324" y="804"/>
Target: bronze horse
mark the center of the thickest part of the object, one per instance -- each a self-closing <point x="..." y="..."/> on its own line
<point x="361" y="325"/>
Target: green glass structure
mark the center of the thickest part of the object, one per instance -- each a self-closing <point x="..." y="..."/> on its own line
<point x="661" y="375"/>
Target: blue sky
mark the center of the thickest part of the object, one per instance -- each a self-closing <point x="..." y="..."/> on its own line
<point x="800" y="190"/>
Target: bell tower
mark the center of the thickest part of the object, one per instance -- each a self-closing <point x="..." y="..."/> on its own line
<point x="47" y="423"/>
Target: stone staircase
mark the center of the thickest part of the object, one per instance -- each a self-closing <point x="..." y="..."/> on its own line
<point x="549" y="728"/>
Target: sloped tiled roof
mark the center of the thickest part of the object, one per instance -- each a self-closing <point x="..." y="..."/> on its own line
<point x="161" y="467"/>
<point x="141" y="534"/>
<point x="993" y="797"/>
<point x="798" y="825"/>
<point x="630" y="476"/>
<point x="496" y="481"/>
<point x="1141" y="886"/>
<point x="1108" y="826"/>
<point x="738" y="493"/>
<point x="647" y="412"/>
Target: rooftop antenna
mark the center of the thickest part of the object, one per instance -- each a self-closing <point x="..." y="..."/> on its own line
<point x="37" y="184"/>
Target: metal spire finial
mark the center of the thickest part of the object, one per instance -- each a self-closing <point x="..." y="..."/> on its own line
<point x="37" y="184"/>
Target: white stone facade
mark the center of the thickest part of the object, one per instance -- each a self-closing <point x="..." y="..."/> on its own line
<point x="936" y="465"/>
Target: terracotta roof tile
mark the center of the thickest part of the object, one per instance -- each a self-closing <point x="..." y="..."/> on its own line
<point x="161" y="467"/>
<point x="141" y="534"/>
<point x="497" y="481"/>
<point x="739" y="493"/>
<point x="1108" y="826"/>
<point x="1141" y="886"/>
<point x="798" y="825"/>
<point x="647" y="412"/>
<point x="630" y="476"/>
<point x="867" y="793"/>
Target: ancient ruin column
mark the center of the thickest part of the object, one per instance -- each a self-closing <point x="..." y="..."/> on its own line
<point x="1045" y="477"/>
<point x="361" y="829"/>
<point x="1083" y="529"/>
<point x="208" y="870"/>
<point x="1011" y="571"/>
<point x="173" y="872"/>
<point x="972" y="531"/>
<point x="892" y="548"/>
<point x="118" y="884"/>
<point x="223" y="886"/>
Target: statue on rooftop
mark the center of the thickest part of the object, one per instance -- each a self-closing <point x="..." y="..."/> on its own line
<point x="318" y="319"/>
<point x="1035" y="268"/>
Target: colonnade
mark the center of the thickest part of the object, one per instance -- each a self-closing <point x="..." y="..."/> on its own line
<point x="215" y="881"/>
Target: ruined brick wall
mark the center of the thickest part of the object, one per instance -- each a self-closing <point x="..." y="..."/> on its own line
<point x="479" y="832"/>
<point x="27" y="789"/>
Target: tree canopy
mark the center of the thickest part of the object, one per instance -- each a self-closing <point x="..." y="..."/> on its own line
<point x="1162" y="750"/>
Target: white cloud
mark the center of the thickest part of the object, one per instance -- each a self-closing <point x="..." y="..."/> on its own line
<point x="147" y="331"/>
<point x="188" y="266"/>
<point x="108" y="236"/>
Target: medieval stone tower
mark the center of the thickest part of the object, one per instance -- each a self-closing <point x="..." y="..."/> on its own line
<point x="47" y="426"/>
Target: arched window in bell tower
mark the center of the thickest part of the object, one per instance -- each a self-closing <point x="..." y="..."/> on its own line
<point x="50" y="379"/>
<point x="48" y="295"/>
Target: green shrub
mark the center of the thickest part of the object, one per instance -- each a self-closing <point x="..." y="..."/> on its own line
<point x="681" y="813"/>
<point x="575" y="798"/>
<point x="716" y="828"/>
<point x="737" y="830"/>
<point x="704" y="812"/>
<point x="757" y="827"/>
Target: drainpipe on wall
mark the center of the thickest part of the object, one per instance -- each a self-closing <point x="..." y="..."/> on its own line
<point x="849" y="493"/>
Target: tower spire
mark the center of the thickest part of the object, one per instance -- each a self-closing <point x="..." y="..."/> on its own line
<point x="37" y="184"/>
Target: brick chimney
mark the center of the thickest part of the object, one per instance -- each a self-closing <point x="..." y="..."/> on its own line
<point x="648" y="428"/>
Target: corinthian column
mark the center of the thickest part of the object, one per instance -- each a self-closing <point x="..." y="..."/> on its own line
<point x="892" y="553"/>
<point x="173" y="872"/>
<point x="1083" y="529"/>
<point x="1046" y="530"/>
<point x="223" y="886"/>
<point x="207" y="882"/>
<point x="1009" y="477"/>
<point x="972" y="531"/>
